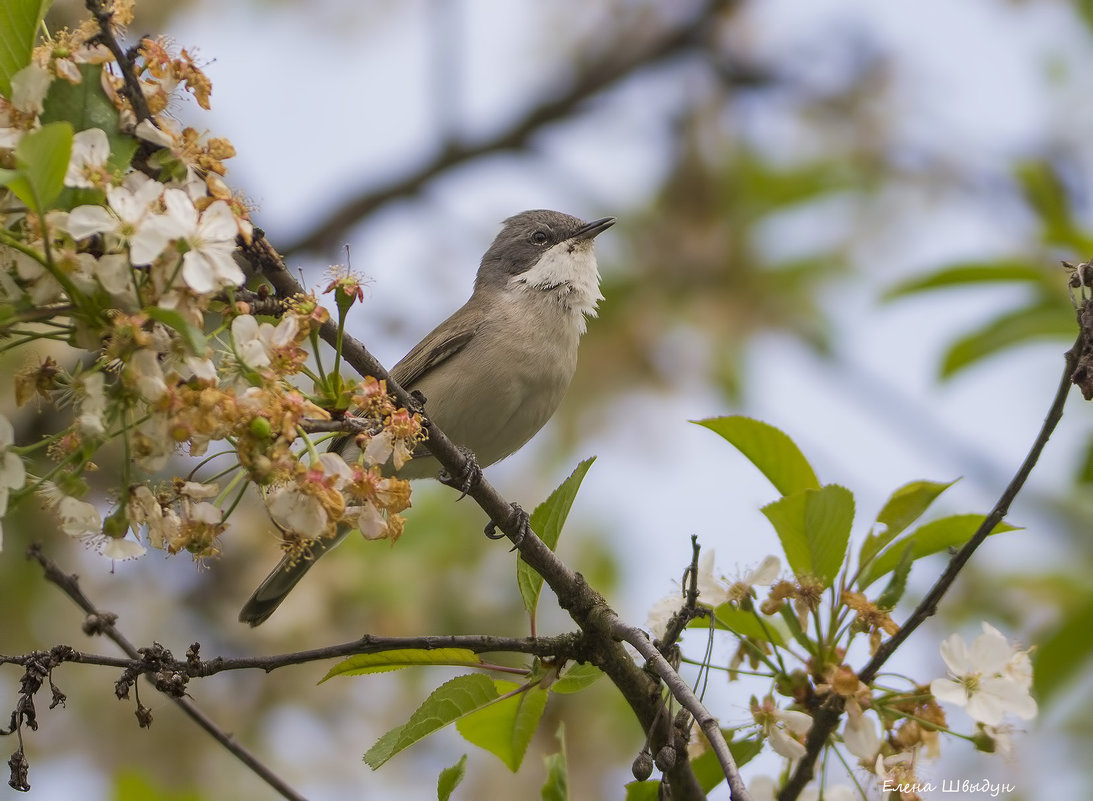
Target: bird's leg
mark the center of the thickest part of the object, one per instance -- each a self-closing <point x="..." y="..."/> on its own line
<point x="523" y="526"/>
<point x="468" y="478"/>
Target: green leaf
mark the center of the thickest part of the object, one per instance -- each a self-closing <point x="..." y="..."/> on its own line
<point x="556" y="786"/>
<point x="902" y="508"/>
<point x="364" y="664"/>
<point x="19" y="21"/>
<point x="505" y="728"/>
<point x="814" y="528"/>
<point x="708" y="770"/>
<point x="1064" y="654"/>
<point x="1039" y="321"/>
<point x="86" y="106"/>
<point x="897" y="585"/>
<point x="643" y="791"/>
<point x="449" y="702"/>
<point x="577" y="678"/>
<point x="450" y="778"/>
<point x="42" y="160"/>
<point x="930" y="538"/>
<point x="547" y="521"/>
<point x="744" y="624"/>
<point x="969" y="274"/>
<point x="193" y="336"/>
<point x="768" y="448"/>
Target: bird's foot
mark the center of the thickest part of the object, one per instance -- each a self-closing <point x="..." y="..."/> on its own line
<point x="468" y="478"/>
<point x="523" y="526"/>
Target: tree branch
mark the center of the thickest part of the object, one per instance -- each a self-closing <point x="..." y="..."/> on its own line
<point x="826" y="719"/>
<point x="600" y="624"/>
<point x="103" y="623"/>
<point x="615" y="61"/>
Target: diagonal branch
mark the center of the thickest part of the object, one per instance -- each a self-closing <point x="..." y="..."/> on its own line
<point x="104" y="624"/>
<point x="615" y="61"/>
<point x="601" y="626"/>
<point x="827" y="717"/>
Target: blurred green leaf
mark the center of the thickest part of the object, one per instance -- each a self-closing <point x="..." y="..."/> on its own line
<point x="930" y="538"/>
<point x="814" y="528"/>
<point x="547" y="521"/>
<point x="968" y="273"/>
<point x="1045" y="191"/>
<point x="903" y="507"/>
<point x="505" y="728"/>
<point x="1064" y="654"/>
<point x="708" y="770"/>
<point x="363" y="664"/>
<point x="450" y="778"/>
<point x="86" y="106"/>
<point x="576" y="678"/>
<point x="449" y="702"/>
<point x="130" y="785"/>
<point x="769" y="449"/>
<point x="41" y="158"/>
<point x="19" y="21"/>
<point x="556" y="786"/>
<point x="1039" y="321"/>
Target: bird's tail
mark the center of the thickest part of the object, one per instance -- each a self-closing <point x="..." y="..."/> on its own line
<point x="279" y="583"/>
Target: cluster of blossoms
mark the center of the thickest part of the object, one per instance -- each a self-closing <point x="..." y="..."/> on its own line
<point x="133" y="261"/>
<point x="887" y="730"/>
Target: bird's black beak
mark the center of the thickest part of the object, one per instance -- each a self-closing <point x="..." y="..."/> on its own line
<point x="592" y="229"/>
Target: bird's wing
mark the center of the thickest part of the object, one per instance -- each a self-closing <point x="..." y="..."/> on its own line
<point x="446" y="340"/>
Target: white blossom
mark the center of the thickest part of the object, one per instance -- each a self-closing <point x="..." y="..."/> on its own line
<point x="255" y="343"/>
<point x="90" y="419"/>
<point x="989" y="678"/>
<point x="209" y="237"/>
<point x="295" y="510"/>
<point x="29" y="87"/>
<point x="369" y="521"/>
<point x="144" y="370"/>
<point x="90" y="150"/>
<point x="131" y="220"/>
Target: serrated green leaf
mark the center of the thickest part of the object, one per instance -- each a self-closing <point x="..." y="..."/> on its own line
<point x="556" y="786"/>
<point x="577" y="678"/>
<point x="930" y="538"/>
<point x="969" y="273"/>
<point x="363" y="664"/>
<point x="547" y="521"/>
<point x="1063" y="655"/>
<point x="769" y="449"/>
<point x="449" y="702"/>
<point x="450" y="778"/>
<point x="19" y="21"/>
<point x="42" y="160"/>
<point x="1035" y="322"/>
<point x="86" y="106"/>
<point x="814" y="528"/>
<point x="902" y="508"/>
<point x="744" y="624"/>
<point x="193" y="336"/>
<point x="505" y="728"/>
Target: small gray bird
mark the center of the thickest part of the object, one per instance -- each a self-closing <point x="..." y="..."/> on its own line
<point x="495" y="371"/>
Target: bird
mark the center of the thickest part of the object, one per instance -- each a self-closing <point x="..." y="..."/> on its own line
<point x="495" y="371"/>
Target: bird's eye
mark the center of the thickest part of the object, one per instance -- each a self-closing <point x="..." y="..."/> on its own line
<point x="539" y="238"/>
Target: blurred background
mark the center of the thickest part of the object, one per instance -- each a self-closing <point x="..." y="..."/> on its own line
<point x="843" y="218"/>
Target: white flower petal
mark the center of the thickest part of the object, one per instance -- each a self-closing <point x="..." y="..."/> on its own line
<point x="84" y="221"/>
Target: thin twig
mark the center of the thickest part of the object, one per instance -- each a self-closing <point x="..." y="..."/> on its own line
<point x="104" y="624"/>
<point x="104" y="16"/>
<point x="826" y="719"/>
